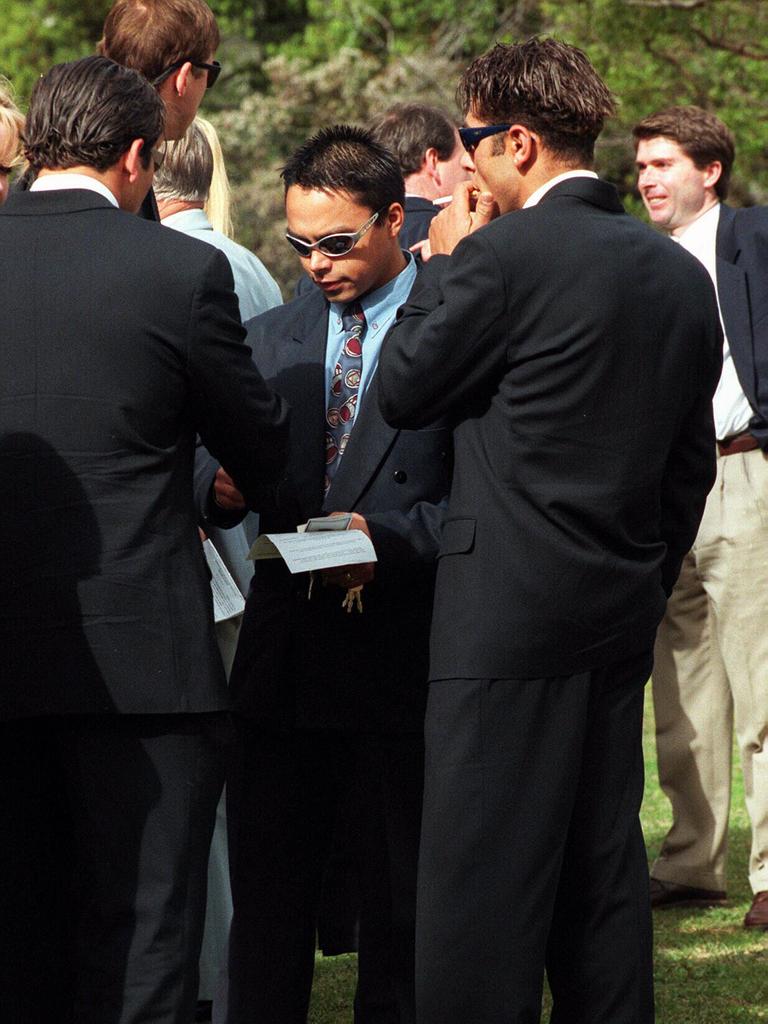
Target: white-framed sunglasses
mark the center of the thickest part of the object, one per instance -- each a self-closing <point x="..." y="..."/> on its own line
<point x="334" y="245"/>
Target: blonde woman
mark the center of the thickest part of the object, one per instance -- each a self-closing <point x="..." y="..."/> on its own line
<point x="11" y="124"/>
<point x="218" y="204"/>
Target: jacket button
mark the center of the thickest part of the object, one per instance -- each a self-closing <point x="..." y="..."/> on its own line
<point x="400" y="476"/>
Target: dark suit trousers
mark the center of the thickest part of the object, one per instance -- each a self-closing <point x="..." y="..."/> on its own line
<point x="107" y="822"/>
<point x="283" y="793"/>
<point x="532" y="855"/>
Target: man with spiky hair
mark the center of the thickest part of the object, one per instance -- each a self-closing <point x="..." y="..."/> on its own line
<point x="550" y="327"/>
<point x="326" y="698"/>
<point x="122" y="343"/>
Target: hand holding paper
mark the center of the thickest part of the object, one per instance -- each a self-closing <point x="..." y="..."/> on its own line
<point x="351" y="575"/>
<point x="316" y="549"/>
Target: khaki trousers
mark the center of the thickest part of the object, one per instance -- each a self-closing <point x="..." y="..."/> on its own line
<point x="711" y="675"/>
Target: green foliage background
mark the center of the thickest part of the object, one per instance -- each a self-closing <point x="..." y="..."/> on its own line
<point x="294" y="65"/>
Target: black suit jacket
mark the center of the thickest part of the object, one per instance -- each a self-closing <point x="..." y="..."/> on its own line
<point x="418" y="216"/>
<point x="307" y="662"/>
<point x="120" y="341"/>
<point x="578" y="352"/>
<point x="742" y="286"/>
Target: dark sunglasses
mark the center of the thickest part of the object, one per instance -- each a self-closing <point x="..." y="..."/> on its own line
<point x="213" y="69"/>
<point x="333" y="245"/>
<point x="470" y="137"/>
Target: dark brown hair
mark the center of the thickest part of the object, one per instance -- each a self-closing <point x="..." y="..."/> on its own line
<point x="703" y="138"/>
<point x="88" y="112"/>
<point x="150" y="35"/>
<point x="410" y="129"/>
<point x="546" y="85"/>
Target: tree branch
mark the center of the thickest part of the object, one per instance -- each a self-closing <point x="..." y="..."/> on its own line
<point x="740" y="49"/>
<point x="678" y="5"/>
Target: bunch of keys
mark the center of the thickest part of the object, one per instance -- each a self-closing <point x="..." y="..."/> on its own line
<point x="353" y="599"/>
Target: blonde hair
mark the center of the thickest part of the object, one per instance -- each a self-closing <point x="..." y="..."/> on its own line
<point x="219" y="202"/>
<point x="11" y="120"/>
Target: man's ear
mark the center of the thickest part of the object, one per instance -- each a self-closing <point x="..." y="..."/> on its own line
<point x="522" y="145"/>
<point x="176" y="84"/>
<point x="429" y="166"/>
<point x="131" y="160"/>
<point x="393" y="219"/>
<point x="714" y="172"/>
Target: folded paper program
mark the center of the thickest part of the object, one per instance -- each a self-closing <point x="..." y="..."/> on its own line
<point x="306" y="552"/>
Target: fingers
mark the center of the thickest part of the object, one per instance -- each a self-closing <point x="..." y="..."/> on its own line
<point x="424" y="248"/>
<point x="468" y="211"/>
<point x="485" y="210"/>
<point x="357" y="522"/>
<point x="225" y="494"/>
<point x="349" y="575"/>
<point x="462" y="195"/>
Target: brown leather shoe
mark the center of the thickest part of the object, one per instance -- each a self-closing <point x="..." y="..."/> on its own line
<point x="672" y="894"/>
<point x="757" y="915"/>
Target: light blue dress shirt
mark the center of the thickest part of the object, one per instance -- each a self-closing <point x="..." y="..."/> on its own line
<point x="379" y="307"/>
<point x="255" y="287"/>
<point x="256" y="292"/>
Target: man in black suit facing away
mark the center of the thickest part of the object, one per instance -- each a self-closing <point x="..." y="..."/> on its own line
<point x="173" y="44"/>
<point x="326" y="699"/>
<point x="121" y="341"/>
<point x="580" y="383"/>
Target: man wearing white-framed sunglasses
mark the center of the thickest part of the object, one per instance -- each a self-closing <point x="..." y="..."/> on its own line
<point x="330" y="703"/>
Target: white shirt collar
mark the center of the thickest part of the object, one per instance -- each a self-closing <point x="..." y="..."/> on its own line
<point x="536" y="196"/>
<point x="701" y="234"/>
<point x="66" y="179"/>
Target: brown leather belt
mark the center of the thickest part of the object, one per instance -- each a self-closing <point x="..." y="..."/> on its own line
<point x="738" y="443"/>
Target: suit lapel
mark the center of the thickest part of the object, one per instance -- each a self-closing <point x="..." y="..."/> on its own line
<point x="369" y="442"/>
<point x="726" y="244"/>
<point x="300" y="379"/>
<point x="733" y="296"/>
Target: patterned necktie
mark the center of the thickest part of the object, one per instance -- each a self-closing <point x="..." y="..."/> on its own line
<point x="345" y="383"/>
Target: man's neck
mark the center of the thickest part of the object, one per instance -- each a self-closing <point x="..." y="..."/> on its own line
<point x="421" y="184"/>
<point x="167" y="207"/>
<point x="90" y="172"/>
<point x="109" y="178"/>
<point x="397" y="266"/>
<point x="682" y="228"/>
<point x="544" y="171"/>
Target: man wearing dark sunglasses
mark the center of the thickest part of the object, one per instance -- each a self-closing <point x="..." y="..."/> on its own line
<point x="555" y="335"/>
<point x="327" y="699"/>
<point x="173" y="44"/>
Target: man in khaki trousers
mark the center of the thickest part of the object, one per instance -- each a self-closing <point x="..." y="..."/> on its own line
<point x="711" y="658"/>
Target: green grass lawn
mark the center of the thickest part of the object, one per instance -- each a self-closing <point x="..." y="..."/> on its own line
<point x="709" y="970"/>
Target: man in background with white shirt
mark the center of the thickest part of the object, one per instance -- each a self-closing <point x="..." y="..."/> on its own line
<point x="712" y="647"/>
